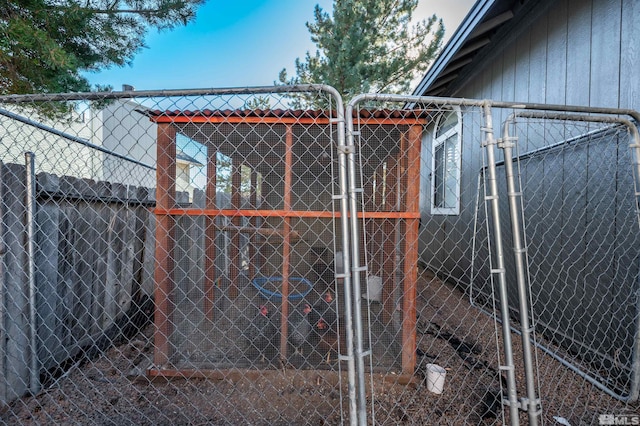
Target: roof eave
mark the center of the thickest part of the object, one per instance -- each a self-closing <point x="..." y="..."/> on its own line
<point x="474" y="18"/>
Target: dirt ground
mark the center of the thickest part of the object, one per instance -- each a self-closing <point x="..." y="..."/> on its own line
<point x="115" y="389"/>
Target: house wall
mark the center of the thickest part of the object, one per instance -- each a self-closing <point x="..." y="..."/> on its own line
<point x="53" y="153"/>
<point x="578" y="52"/>
<point x="129" y="133"/>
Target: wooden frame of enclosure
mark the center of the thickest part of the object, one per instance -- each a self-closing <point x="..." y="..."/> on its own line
<point x="391" y="211"/>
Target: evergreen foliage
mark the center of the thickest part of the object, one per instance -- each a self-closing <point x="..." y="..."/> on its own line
<point x="46" y="44"/>
<point x="367" y="46"/>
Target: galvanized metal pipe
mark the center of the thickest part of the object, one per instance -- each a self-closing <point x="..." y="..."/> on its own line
<point x="71" y="138"/>
<point x="509" y="366"/>
<point x="34" y="365"/>
<point x="355" y="250"/>
<point x="355" y="414"/>
<point x="533" y="403"/>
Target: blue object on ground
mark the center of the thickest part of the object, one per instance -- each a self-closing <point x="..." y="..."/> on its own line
<point x="259" y="283"/>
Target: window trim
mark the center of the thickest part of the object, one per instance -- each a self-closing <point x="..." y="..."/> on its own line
<point x="438" y="141"/>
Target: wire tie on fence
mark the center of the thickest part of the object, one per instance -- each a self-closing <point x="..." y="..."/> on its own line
<point x="347" y="149"/>
<point x="344" y="357"/>
<point x="360" y="269"/>
<point x="520" y="250"/>
<point x="490" y="197"/>
<point x="343" y="275"/>
<point x="334" y="120"/>
<point x="356" y="133"/>
<point x="338" y="197"/>
<point x="356" y="190"/>
<point x="497" y="271"/>
<point x="514" y="194"/>
<point x="366" y="353"/>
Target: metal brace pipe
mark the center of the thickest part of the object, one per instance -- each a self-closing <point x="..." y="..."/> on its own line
<point x="532" y="402"/>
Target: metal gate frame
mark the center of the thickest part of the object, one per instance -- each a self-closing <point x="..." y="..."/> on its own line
<point x="516" y="209"/>
<point x="531" y="403"/>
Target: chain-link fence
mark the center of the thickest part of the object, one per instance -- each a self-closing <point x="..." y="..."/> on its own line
<point x="220" y="257"/>
<point x="529" y="245"/>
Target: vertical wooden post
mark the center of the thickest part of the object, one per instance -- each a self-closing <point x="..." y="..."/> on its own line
<point x="261" y="259"/>
<point x="411" y="205"/>
<point x="234" y="250"/>
<point x="210" y="233"/>
<point x="286" y="243"/>
<point x="389" y="236"/>
<point x="165" y="240"/>
<point x="253" y="201"/>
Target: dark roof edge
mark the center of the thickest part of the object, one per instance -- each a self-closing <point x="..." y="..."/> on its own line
<point x="466" y="27"/>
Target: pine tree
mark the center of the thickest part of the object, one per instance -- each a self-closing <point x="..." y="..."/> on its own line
<point x="367" y="46"/>
<point x="46" y="44"/>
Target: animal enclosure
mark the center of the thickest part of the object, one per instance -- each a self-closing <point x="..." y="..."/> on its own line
<point x="310" y="265"/>
<point x="280" y="228"/>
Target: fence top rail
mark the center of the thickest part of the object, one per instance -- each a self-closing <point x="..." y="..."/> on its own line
<point x="249" y="90"/>
<point x="412" y="101"/>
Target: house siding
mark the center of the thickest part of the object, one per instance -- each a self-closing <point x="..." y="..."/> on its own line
<point x="578" y="52"/>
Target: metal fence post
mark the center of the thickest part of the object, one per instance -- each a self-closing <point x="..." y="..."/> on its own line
<point x="354" y="411"/>
<point x="533" y="403"/>
<point x="34" y="384"/>
<point x="500" y="270"/>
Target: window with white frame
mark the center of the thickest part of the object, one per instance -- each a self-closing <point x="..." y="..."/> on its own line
<point x="445" y="179"/>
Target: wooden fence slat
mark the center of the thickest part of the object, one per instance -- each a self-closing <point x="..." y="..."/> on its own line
<point x="75" y="257"/>
<point x="13" y="281"/>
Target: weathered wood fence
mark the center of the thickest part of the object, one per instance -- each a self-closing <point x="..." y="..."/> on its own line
<point x="94" y="255"/>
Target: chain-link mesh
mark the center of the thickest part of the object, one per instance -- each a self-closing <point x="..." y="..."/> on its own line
<point x="182" y="261"/>
<point x="575" y="174"/>
<point x="419" y="202"/>
<point x="206" y="295"/>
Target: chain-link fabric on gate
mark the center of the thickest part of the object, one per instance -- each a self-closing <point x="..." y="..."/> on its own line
<point x="184" y="248"/>
<point x="548" y="243"/>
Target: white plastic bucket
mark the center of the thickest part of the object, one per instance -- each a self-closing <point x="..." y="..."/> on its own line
<point x="374" y="288"/>
<point x="435" y="378"/>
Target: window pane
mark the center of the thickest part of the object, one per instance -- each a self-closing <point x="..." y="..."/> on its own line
<point x="445" y="174"/>
<point x="439" y="176"/>
<point x="451" y="184"/>
<point x="446" y="165"/>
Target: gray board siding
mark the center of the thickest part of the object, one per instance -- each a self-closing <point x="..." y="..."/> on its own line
<point x="585" y="267"/>
<point x="578" y="52"/>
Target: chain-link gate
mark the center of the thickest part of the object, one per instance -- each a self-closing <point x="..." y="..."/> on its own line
<point x="571" y="356"/>
<point x="572" y="179"/>
<point x="206" y="295"/>
<point x="217" y="257"/>
<point x="418" y="200"/>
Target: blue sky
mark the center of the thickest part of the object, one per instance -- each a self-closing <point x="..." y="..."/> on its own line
<point x="238" y="44"/>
